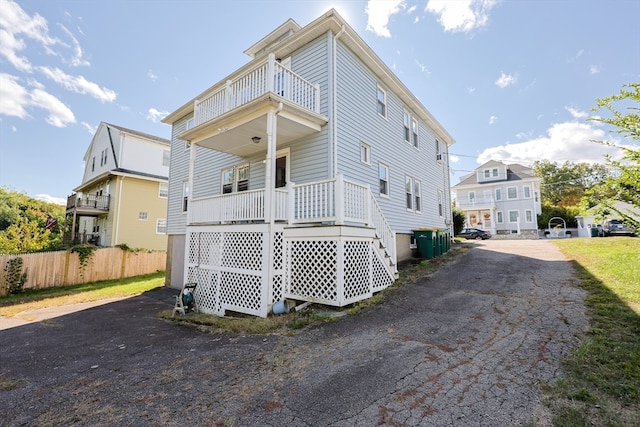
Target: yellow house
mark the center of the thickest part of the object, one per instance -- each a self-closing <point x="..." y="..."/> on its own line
<point x="123" y="195"/>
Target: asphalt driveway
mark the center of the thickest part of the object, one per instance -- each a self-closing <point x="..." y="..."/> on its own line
<point x="469" y="345"/>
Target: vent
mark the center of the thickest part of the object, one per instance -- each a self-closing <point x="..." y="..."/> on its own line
<point x="439" y="157"/>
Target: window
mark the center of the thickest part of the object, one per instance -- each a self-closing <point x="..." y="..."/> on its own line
<point x="407" y="131"/>
<point x="438" y="153"/>
<point x="494" y="171"/>
<point x="190" y="123"/>
<point x="512" y="193"/>
<point x="365" y="153"/>
<point x="143" y="216"/>
<point x="161" y="226"/>
<point x="408" y="189"/>
<point x="235" y="179"/>
<point x="103" y="157"/>
<point x="185" y="195"/>
<point x="487" y="173"/>
<point x="513" y="216"/>
<point x="500" y="217"/>
<point x="528" y="215"/>
<point x="440" y="203"/>
<point x="163" y="190"/>
<point x="414" y="132"/>
<point x="498" y="194"/>
<point x="417" y="194"/>
<point x="93" y="163"/>
<point x="472" y="197"/>
<point x="382" y="102"/>
<point x="527" y="192"/>
<point x="165" y="158"/>
<point x="383" y="175"/>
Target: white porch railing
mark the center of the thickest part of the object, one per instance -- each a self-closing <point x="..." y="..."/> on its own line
<point x="477" y="202"/>
<point x="337" y="201"/>
<point x="268" y="76"/>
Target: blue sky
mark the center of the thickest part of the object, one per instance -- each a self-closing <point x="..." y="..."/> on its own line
<point x="511" y="80"/>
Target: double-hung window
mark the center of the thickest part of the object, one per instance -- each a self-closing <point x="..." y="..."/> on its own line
<point x="500" y="217"/>
<point x="365" y="153"/>
<point x="166" y="157"/>
<point x="440" y="203"/>
<point x="235" y="179"/>
<point x="417" y="194"/>
<point x="382" y="102"/>
<point x="161" y="226"/>
<point x="383" y="177"/>
<point x="512" y="193"/>
<point x="406" y="121"/>
<point x="527" y="191"/>
<point x="185" y="195"/>
<point x="163" y="190"/>
<point x="513" y="216"/>
<point x="498" y="194"/>
<point x="528" y="215"/>
<point x="414" y="132"/>
<point x="408" y="188"/>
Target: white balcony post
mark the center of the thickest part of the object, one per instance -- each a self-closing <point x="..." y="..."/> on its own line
<point x="227" y="96"/>
<point x="196" y="113"/>
<point x="192" y="163"/>
<point x="270" y="165"/>
<point x="291" y="203"/>
<point x="271" y="72"/>
<point x="368" y="206"/>
<point x="339" y="194"/>
<point x="316" y="95"/>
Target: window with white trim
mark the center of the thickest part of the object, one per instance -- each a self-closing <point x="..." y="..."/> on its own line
<point x="408" y="189"/>
<point x="498" y="194"/>
<point x="382" y="102"/>
<point x="527" y="191"/>
<point x="414" y="132"/>
<point x="528" y="215"/>
<point x="472" y="197"/>
<point x="406" y="120"/>
<point x="185" y="195"/>
<point x="487" y="173"/>
<point x="161" y="226"/>
<point x="494" y="172"/>
<point x="440" y="203"/>
<point x="163" y="190"/>
<point x="190" y="123"/>
<point x="227" y="180"/>
<point x="235" y="179"/>
<point x="93" y="163"/>
<point x="438" y="153"/>
<point x="365" y="153"/>
<point x="383" y="177"/>
<point x="417" y="195"/>
<point x="165" y="158"/>
<point x="143" y="216"/>
<point x="513" y="216"/>
<point x="500" y="217"/>
<point x="512" y="193"/>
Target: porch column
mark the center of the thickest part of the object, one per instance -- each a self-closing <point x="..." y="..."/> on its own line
<point x="270" y="163"/>
<point x="192" y="164"/>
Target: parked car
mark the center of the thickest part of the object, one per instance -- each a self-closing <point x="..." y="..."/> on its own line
<point x="474" y="233"/>
<point x="616" y="227"/>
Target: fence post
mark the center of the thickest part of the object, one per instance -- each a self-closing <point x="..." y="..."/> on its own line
<point x="123" y="263"/>
<point x="66" y="267"/>
<point x="339" y="195"/>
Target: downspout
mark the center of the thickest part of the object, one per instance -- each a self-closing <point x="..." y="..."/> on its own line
<point x="333" y="103"/>
<point x="113" y="149"/>
<point x="117" y="227"/>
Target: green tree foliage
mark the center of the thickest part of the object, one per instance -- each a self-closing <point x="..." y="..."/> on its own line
<point x="459" y="218"/>
<point x="23" y="224"/>
<point x="568" y="213"/>
<point x="623" y="184"/>
<point x="565" y="184"/>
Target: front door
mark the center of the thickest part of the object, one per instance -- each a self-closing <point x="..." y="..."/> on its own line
<point x="281" y="171"/>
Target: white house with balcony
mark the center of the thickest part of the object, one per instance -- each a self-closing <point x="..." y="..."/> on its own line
<point x="503" y="199"/>
<point x="301" y="175"/>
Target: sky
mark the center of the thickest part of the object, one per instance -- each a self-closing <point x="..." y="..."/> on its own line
<point x="510" y="80"/>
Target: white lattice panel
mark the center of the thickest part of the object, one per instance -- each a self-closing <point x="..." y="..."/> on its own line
<point x="311" y="267"/>
<point x="242" y="250"/>
<point x="206" y="292"/>
<point x="357" y="270"/>
<point x="383" y="276"/>
<point x="241" y="292"/>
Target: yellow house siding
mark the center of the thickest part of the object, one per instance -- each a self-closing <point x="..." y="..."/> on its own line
<point x="131" y="197"/>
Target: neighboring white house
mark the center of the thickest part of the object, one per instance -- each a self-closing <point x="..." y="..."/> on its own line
<point x="123" y="195"/>
<point x="503" y="199"/>
<point x="301" y="175"/>
<point x="589" y="220"/>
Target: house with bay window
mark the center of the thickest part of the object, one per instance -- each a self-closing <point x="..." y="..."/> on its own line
<point x="122" y="198"/>
<point x="503" y="199"/>
<point x="301" y="175"/>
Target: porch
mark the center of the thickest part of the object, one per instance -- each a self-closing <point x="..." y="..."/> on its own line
<point x="328" y="243"/>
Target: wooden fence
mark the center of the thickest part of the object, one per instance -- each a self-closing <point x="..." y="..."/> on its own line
<point x="61" y="268"/>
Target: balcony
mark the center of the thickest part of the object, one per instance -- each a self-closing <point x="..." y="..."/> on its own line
<point x="335" y="201"/>
<point x="235" y="111"/>
<point x="87" y="204"/>
<point x="477" y="203"/>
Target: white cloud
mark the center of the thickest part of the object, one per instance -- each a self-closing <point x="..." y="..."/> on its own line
<point x="76" y="60"/>
<point x="594" y="69"/>
<point x="152" y="76"/>
<point x="78" y="84"/>
<point x="567" y="141"/>
<point x="576" y="56"/>
<point x="379" y="12"/>
<point x="59" y="114"/>
<point x="493" y="119"/>
<point x="576" y="114"/>
<point x="89" y="128"/>
<point x="50" y="199"/>
<point x="14" y="98"/>
<point x="155" y="115"/>
<point x="423" y="68"/>
<point x="506" y="80"/>
<point x="461" y="15"/>
<point x="471" y="89"/>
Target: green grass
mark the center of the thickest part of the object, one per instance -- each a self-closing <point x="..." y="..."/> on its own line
<point x="52" y="297"/>
<point x="601" y="385"/>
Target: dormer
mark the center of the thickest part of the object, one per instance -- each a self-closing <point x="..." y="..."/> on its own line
<point x="492" y="171"/>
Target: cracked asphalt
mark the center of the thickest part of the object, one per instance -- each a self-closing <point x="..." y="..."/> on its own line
<point x="470" y="345"/>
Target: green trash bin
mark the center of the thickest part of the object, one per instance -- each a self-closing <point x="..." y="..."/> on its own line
<point x="594" y="231"/>
<point x="425" y="243"/>
<point x="438" y="243"/>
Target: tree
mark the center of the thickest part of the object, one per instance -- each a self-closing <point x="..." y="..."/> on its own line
<point x="564" y="185"/>
<point x="624" y="182"/>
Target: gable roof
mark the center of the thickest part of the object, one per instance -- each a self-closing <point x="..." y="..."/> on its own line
<point x="515" y="172"/>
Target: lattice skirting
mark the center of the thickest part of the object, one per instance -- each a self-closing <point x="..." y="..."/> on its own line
<point x="231" y="266"/>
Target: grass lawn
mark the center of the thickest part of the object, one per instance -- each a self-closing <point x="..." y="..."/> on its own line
<point x="51" y="297"/>
<point x="602" y="378"/>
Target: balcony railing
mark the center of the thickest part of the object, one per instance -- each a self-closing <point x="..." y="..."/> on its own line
<point x="88" y="202"/>
<point x="338" y="201"/>
<point x="268" y="76"/>
<point x="477" y="202"/>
